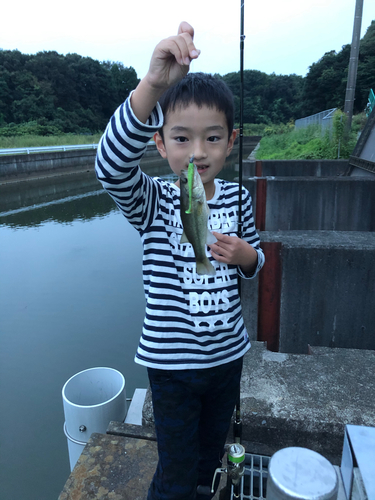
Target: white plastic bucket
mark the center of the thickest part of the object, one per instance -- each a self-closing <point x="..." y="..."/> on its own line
<point x="301" y="474"/>
<point x="91" y="399"/>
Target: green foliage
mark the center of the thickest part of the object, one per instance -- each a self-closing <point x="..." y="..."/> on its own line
<point x="325" y="83"/>
<point x="308" y="143"/>
<point x="267" y="98"/>
<point x="48" y="93"/>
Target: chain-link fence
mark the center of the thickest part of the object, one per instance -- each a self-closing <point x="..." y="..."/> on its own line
<point x="324" y="119"/>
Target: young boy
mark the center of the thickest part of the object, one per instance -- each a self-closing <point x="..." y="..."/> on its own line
<point x="193" y="338"/>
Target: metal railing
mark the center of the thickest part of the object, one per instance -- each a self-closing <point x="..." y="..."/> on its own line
<point x="45" y="149"/>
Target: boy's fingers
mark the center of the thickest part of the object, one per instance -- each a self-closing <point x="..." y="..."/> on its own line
<point x="186" y="28"/>
<point x="182" y="47"/>
<point x="186" y="31"/>
<point x="178" y="48"/>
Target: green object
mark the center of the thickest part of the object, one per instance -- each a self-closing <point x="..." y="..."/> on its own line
<point x="236" y="453"/>
<point x="371" y="102"/>
<point x="190" y="182"/>
<point x="237" y="459"/>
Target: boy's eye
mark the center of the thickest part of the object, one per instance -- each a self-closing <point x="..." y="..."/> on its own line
<point x="181" y="138"/>
<point x="213" y="138"/>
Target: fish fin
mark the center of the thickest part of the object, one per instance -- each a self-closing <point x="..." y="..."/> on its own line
<point x="184" y="239"/>
<point x="210" y="238"/>
<point x="205" y="267"/>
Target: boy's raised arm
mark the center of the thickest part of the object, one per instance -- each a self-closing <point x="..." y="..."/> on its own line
<point x="170" y="62"/>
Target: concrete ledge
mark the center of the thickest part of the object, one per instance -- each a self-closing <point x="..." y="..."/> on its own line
<point x="301" y="400"/>
<point x="286" y="400"/>
<point x="305" y="400"/>
<point x="134" y="431"/>
<point x="112" y="467"/>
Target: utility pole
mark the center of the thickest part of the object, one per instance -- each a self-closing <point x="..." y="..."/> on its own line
<point x="353" y="64"/>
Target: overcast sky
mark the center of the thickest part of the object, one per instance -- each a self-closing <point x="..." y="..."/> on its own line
<point x="282" y="37"/>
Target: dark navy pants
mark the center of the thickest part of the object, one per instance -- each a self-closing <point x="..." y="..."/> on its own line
<point x="192" y="411"/>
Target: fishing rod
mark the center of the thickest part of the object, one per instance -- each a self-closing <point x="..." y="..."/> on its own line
<point x="237" y="425"/>
<point x="242" y="46"/>
<point x="236" y="452"/>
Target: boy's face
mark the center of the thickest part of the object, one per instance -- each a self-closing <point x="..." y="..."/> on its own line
<point x="202" y="132"/>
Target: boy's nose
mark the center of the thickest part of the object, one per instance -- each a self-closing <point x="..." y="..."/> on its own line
<point x="199" y="151"/>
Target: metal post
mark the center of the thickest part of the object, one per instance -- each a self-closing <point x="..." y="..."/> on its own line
<point x="353" y="64"/>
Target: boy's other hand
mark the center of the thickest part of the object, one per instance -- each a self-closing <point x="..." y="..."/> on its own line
<point x="171" y="58"/>
<point x="235" y="251"/>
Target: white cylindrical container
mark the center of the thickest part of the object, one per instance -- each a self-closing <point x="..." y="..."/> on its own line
<point x="301" y="474"/>
<point x="91" y="399"/>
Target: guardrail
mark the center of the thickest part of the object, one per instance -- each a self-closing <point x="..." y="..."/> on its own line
<point x="45" y="149"/>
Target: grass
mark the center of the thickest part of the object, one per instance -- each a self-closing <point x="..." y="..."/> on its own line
<point x="309" y="143"/>
<point x="29" y="141"/>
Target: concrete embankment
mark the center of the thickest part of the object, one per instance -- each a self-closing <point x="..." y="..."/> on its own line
<point x="24" y="166"/>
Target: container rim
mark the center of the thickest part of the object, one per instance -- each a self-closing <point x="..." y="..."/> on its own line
<point x="87" y="370"/>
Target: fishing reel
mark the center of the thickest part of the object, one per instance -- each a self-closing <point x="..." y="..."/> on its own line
<point x="235" y="468"/>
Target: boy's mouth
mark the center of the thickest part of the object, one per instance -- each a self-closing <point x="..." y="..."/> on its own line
<point x="201" y="168"/>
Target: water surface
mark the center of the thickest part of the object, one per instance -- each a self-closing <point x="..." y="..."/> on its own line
<point x="71" y="298"/>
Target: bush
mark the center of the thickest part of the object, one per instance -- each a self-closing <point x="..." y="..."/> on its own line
<point x="308" y="143"/>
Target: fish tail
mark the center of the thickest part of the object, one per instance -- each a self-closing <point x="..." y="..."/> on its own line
<point x="205" y="267"/>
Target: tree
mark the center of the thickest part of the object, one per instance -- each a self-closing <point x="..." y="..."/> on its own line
<point x="366" y="68"/>
<point x="71" y="93"/>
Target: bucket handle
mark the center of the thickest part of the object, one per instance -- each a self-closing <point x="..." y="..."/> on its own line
<point x="82" y="443"/>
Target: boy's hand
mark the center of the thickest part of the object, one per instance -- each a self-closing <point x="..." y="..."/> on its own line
<point x="171" y="58"/>
<point x="235" y="251"/>
<point x="170" y="62"/>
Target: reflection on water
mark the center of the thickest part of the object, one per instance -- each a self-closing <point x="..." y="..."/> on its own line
<point x="32" y="202"/>
<point x="71" y="298"/>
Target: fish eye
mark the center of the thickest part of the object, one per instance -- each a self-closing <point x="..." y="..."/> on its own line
<point x="184" y="180"/>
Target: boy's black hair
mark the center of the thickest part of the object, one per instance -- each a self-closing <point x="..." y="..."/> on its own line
<point x="202" y="89"/>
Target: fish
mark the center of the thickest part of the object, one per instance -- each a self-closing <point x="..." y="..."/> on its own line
<point x="194" y="217"/>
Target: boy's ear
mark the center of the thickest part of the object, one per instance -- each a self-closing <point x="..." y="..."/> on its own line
<point x="160" y="145"/>
<point x="232" y="138"/>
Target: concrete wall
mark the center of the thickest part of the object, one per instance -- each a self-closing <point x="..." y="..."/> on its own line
<point x="22" y="166"/>
<point x="311" y="203"/>
<point x="41" y="163"/>
<point x="286" y="168"/>
<point x="317" y="229"/>
<point x="327" y="292"/>
<point x="16" y="195"/>
<point x="338" y="204"/>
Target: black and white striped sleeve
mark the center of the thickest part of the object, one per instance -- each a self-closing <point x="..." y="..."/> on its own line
<point x="117" y="164"/>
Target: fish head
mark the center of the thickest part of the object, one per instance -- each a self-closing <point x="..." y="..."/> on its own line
<point x="197" y="188"/>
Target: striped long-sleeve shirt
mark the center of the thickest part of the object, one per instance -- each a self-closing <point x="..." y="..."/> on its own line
<point x="191" y="321"/>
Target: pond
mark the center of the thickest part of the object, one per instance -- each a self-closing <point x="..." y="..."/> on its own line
<point x="71" y="298"/>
